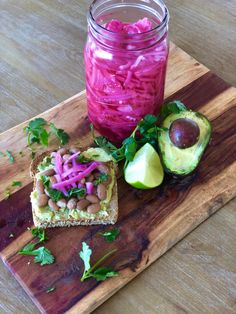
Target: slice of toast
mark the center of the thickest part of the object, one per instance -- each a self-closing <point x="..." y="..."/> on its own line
<point x="94" y="219"/>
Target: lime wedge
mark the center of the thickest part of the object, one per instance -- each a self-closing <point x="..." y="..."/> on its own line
<point x="145" y="171"/>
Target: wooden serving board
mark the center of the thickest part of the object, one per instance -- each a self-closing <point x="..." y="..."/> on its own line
<point x="150" y="221"/>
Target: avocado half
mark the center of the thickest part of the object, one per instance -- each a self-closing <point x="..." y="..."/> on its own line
<point x="183" y="160"/>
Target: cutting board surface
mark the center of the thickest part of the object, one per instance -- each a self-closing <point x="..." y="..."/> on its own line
<point x="150" y="221"/>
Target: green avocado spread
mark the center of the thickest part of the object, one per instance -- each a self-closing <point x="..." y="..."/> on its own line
<point x="47" y="214"/>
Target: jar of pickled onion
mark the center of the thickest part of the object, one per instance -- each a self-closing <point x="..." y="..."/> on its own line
<point x="125" y="63"/>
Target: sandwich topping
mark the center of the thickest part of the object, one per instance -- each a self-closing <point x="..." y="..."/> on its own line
<point x="72" y="185"/>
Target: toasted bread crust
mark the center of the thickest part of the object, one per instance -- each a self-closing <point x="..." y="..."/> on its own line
<point x="112" y="209"/>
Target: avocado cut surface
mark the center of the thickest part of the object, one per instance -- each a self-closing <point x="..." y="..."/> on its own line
<point x="180" y="158"/>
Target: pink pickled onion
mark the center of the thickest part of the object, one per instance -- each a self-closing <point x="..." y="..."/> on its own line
<point x="81" y="175"/>
<point x="89" y="188"/>
<point x="72" y="157"/>
<point x="58" y="164"/>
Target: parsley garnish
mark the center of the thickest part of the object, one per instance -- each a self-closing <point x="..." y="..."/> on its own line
<point x="98" y="273"/>
<point x="16" y="183"/>
<point x="82" y="159"/>
<point x="2" y="154"/>
<point x="110" y="235"/>
<point x="41" y="255"/>
<point x="175" y="106"/>
<point x="55" y="195"/>
<point x="102" y="177"/>
<point x="10" y="156"/>
<point x="60" y="134"/>
<point x="76" y="192"/>
<point x="50" y="289"/>
<point x="39" y="233"/>
<point x="37" y="132"/>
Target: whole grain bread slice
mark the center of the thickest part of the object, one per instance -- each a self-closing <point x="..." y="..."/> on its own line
<point x="112" y="209"/>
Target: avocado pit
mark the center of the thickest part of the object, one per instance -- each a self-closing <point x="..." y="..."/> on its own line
<point x="184" y="133"/>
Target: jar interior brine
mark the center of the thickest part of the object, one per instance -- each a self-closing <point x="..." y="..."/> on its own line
<point x="125" y="63"/>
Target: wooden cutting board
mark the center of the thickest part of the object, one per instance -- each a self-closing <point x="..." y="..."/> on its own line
<point x="150" y="221"/>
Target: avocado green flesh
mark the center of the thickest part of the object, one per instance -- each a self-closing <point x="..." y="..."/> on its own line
<point x="46" y="214"/>
<point x="178" y="160"/>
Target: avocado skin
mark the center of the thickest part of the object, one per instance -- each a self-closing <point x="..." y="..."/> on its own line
<point x="181" y="162"/>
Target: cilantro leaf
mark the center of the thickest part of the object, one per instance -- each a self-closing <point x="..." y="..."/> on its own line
<point x="43" y="256"/>
<point x="102" y="142"/>
<point x="27" y="248"/>
<point x="130" y="148"/>
<point x="39" y="233"/>
<point x="50" y="289"/>
<point x="36" y="132"/>
<point x="16" y="183"/>
<point x="60" y="134"/>
<point x="82" y="159"/>
<point x="76" y="192"/>
<point x="55" y="195"/>
<point x="110" y="235"/>
<point x="102" y="273"/>
<point x="43" y="137"/>
<point x="10" y="156"/>
<point x="102" y="177"/>
<point x="85" y="255"/>
<point x="175" y="106"/>
<point x="97" y="273"/>
<point x="36" y="123"/>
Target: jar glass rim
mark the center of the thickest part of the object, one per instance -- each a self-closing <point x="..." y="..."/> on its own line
<point x="98" y="27"/>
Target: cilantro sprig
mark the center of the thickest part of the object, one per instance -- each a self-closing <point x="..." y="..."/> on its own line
<point x="38" y="132"/>
<point x="102" y="177"/>
<point x="10" y="157"/>
<point x="42" y="255"/>
<point x="16" y="183"/>
<point x="96" y="272"/>
<point x="110" y="235"/>
<point x="146" y="131"/>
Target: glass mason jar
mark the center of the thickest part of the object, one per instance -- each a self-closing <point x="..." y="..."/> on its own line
<point x="125" y="73"/>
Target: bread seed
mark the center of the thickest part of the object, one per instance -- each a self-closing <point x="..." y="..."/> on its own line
<point x="39" y="186"/>
<point x="62" y="151"/>
<point x="62" y="203"/>
<point x="101" y="191"/>
<point x="52" y="205"/>
<point x="48" y="172"/>
<point x="42" y="200"/>
<point x="72" y="203"/>
<point x="92" y="199"/>
<point x="82" y="204"/>
<point x="93" y="208"/>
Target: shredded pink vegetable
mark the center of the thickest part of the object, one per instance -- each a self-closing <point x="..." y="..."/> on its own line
<point x="58" y="164"/>
<point x="76" y="178"/>
<point x="72" y="157"/>
<point x="89" y="188"/>
<point x="124" y="79"/>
